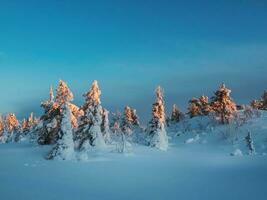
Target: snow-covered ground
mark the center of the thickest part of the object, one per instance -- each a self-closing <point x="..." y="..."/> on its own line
<point x="197" y="165"/>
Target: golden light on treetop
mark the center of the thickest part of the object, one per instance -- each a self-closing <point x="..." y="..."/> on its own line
<point x="93" y="95"/>
<point x="223" y="105"/>
<point x="63" y="93"/>
<point x="11" y="122"/>
<point x="128" y="114"/>
<point x="158" y="110"/>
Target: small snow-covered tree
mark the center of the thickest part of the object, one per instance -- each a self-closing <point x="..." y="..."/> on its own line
<point x="194" y="108"/>
<point x="205" y="105"/>
<point x="2" y="125"/>
<point x="89" y="132"/>
<point x="223" y="105"/>
<point x="12" y="126"/>
<point x="27" y="127"/>
<point x="28" y="124"/>
<point x="260" y="104"/>
<point x="176" y="115"/>
<point x="264" y="100"/>
<point x="199" y="106"/>
<point x="116" y="120"/>
<point x="256" y="104"/>
<point x="3" y="132"/>
<point x="129" y="121"/>
<point x="250" y="144"/>
<point x="157" y="136"/>
<point x="105" y="126"/>
<point x="64" y="148"/>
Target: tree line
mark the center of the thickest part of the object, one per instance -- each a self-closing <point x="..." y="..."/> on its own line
<point x="73" y="128"/>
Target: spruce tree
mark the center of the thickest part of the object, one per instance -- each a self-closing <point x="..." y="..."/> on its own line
<point x="256" y="104"/>
<point x="4" y="134"/>
<point x="223" y="105"/>
<point x="64" y="148"/>
<point x="264" y="100"/>
<point x="2" y="126"/>
<point x="199" y="106"/>
<point x="12" y="126"/>
<point x="116" y="121"/>
<point x="205" y="105"/>
<point x="157" y="136"/>
<point x="28" y="124"/>
<point x="260" y="104"/>
<point x="194" y="108"/>
<point x="127" y="121"/>
<point x="89" y="131"/>
<point x="51" y="119"/>
<point x="176" y="115"/>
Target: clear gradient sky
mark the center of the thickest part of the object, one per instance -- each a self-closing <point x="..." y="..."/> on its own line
<point x="188" y="47"/>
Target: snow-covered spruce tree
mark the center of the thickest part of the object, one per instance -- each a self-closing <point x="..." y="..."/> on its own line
<point x="27" y="127"/>
<point x="250" y="144"/>
<point x="48" y="127"/>
<point x="2" y="126"/>
<point x="12" y="126"/>
<point x="260" y="104"/>
<point x="116" y="120"/>
<point x="105" y="126"/>
<point x="157" y="136"/>
<point x="51" y="119"/>
<point x="89" y="131"/>
<point x="199" y="106"/>
<point x="130" y="126"/>
<point x="64" y="148"/>
<point x="3" y="132"/>
<point x="176" y="115"/>
<point x="256" y="104"/>
<point x="264" y="100"/>
<point x="127" y="121"/>
<point x="122" y="145"/>
<point x="205" y="107"/>
<point x="223" y="105"/>
<point x="194" y="108"/>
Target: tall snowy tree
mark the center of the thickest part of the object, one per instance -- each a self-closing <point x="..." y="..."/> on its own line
<point x="64" y="148"/>
<point x="157" y="136"/>
<point x="89" y="132"/>
<point x="51" y="119"/>
<point x="223" y="105"/>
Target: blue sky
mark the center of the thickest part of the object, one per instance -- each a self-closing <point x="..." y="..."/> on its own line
<point x="130" y="47"/>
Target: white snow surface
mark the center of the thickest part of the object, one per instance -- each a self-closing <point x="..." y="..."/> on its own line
<point x="199" y="170"/>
